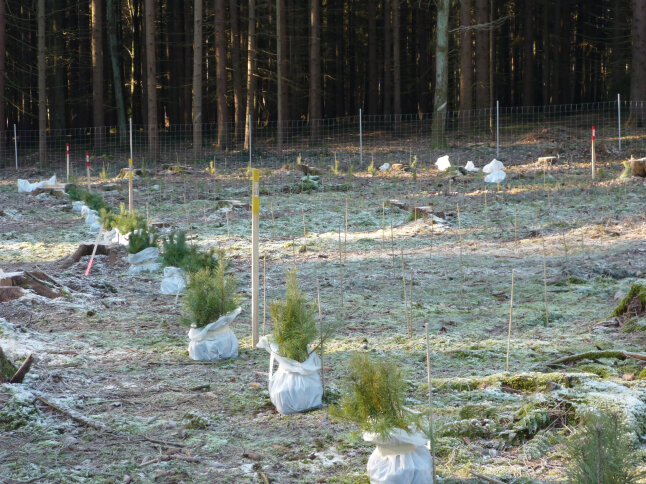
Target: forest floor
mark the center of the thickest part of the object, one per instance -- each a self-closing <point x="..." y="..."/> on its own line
<point x="112" y="351"/>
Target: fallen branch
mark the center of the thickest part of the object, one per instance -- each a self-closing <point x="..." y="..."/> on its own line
<point x="19" y="376"/>
<point x="486" y="478"/>
<point x="593" y="355"/>
<point x="165" y="458"/>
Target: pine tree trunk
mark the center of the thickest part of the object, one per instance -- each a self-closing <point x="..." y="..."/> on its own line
<point x="251" y="73"/>
<point x="529" y="18"/>
<point x="116" y="72"/>
<point x="3" y="50"/>
<point x="151" y="80"/>
<point x="466" y="57"/>
<point x="388" y="73"/>
<point x="315" y="70"/>
<point x="373" y="80"/>
<point x="638" y="68"/>
<point x="440" y="102"/>
<point x="279" y="75"/>
<point x="397" y="89"/>
<point x="197" y="77"/>
<point x="221" y="73"/>
<point x="42" y="88"/>
<point x="98" y="119"/>
<point x="236" y="76"/>
<point x="482" y="56"/>
<point x="57" y="91"/>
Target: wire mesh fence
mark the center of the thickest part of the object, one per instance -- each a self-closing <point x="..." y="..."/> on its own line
<point x="512" y="134"/>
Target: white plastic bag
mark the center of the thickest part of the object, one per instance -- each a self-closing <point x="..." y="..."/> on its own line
<point x="215" y="341"/>
<point x="295" y="387"/>
<point x="443" y="163"/>
<point x="495" y="176"/>
<point x="493" y="165"/>
<point x="115" y="237"/>
<point x="384" y="167"/>
<point x="25" y="187"/>
<point x="402" y="458"/>
<point x="471" y="167"/>
<point x="144" y="260"/>
<point x="173" y="281"/>
<point x="77" y="206"/>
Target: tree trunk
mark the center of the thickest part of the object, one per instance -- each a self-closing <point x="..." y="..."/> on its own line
<point x="57" y="91"/>
<point x="236" y="76"/>
<point x="116" y="72"/>
<point x="638" y="67"/>
<point x="482" y="56"/>
<point x="528" y="75"/>
<point x="397" y="88"/>
<point x="251" y="73"/>
<point x="151" y="80"/>
<point x="98" y="103"/>
<point x="466" y="57"/>
<point x="221" y="73"/>
<point x="373" y="80"/>
<point x="280" y="72"/>
<point x="339" y="85"/>
<point x="3" y="55"/>
<point x="388" y="73"/>
<point x="440" y="101"/>
<point x="315" y="70"/>
<point x="42" y="88"/>
<point x="197" y="77"/>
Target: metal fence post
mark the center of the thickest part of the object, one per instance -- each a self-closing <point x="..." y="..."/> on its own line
<point x="360" y="141"/>
<point x="131" y="155"/>
<point x="15" y="144"/>
<point x="497" y="129"/>
<point x="619" y="120"/>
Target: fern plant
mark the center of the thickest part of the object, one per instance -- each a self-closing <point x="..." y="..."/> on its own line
<point x="210" y="294"/>
<point x="294" y="321"/>
<point x="601" y="452"/>
<point x="374" y="396"/>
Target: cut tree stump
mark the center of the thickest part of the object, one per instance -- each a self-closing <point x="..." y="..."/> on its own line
<point x="86" y="249"/>
<point x="37" y="281"/>
<point x="638" y="167"/>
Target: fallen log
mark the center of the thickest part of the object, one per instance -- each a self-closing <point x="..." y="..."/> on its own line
<point x="37" y="281"/>
<point x="19" y="376"/>
<point x="594" y="355"/>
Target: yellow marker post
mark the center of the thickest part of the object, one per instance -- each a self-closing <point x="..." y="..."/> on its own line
<point x="130" y="184"/>
<point x="255" y="225"/>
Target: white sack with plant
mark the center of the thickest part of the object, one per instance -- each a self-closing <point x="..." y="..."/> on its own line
<point x="296" y="386"/>
<point x="25" y="187"/>
<point x="373" y="398"/>
<point x="173" y="281"/>
<point x="144" y="260"/>
<point x="210" y="306"/>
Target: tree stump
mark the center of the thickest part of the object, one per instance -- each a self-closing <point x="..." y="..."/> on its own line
<point x="638" y="167"/>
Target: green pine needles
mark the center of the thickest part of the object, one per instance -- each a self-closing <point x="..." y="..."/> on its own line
<point x="177" y="253"/>
<point x="374" y="396"/>
<point x="601" y="453"/>
<point x="92" y="200"/>
<point x="141" y="239"/>
<point x="294" y="321"/>
<point x="210" y="293"/>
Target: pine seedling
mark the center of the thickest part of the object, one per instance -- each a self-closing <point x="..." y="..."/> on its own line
<point x="294" y="321"/>
<point x="374" y="396"/>
<point x="602" y="452"/>
<point x="210" y="294"/>
<point x="371" y="168"/>
<point x="174" y="249"/>
<point x="141" y="239"/>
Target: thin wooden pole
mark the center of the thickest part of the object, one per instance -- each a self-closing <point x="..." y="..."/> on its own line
<point x="130" y="191"/>
<point x="460" y="240"/>
<point x="545" y="284"/>
<point x="405" y="299"/>
<point x="383" y="226"/>
<point x="392" y="246"/>
<point x="511" y="313"/>
<point x="273" y="220"/>
<point x="318" y="300"/>
<point x="264" y="294"/>
<point x="255" y="226"/>
<point x="430" y="404"/>
<point x="341" y="265"/>
<point x="515" y="230"/>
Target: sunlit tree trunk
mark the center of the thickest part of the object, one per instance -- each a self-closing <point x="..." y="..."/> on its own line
<point x="42" y="88"/>
<point x="251" y="72"/>
<point x="638" y="66"/>
<point x="197" y="77"/>
<point x="373" y="80"/>
<point x="315" y="68"/>
<point x="482" y="55"/>
<point x="440" y="101"/>
<point x="221" y="73"/>
<point x="97" y="68"/>
<point x="151" y="80"/>
<point x="116" y="72"/>
<point x="466" y="57"/>
<point x="397" y="88"/>
<point x="238" y="91"/>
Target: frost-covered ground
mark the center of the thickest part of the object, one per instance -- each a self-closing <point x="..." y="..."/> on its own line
<point x="112" y="348"/>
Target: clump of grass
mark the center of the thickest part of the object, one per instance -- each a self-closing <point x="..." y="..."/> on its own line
<point x="92" y="200"/>
<point x="601" y="452"/>
<point x="374" y="396"/>
<point x="294" y="321"/>
<point x="210" y="294"/>
<point x="141" y="239"/>
<point x="176" y="252"/>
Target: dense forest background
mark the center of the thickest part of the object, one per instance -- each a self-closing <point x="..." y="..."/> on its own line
<point x="80" y="63"/>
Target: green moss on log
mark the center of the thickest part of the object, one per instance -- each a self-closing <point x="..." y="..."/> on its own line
<point x="526" y="382"/>
<point x="7" y="369"/>
<point x="636" y="291"/>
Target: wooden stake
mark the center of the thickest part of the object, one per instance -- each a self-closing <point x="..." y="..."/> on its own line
<point x="264" y="295"/>
<point x="430" y="404"/>
<point x="273" y="221"/>
<point x="304" y="228"/>
<point x="567" y="263"/>
<point x="410" y="302"/>
<point x="255" y="226"/>
<point x="383" y="226"/>
<point x="545" y="284"/>
<point x="130" y="195"/>
<point x="405" y="299"/>
<point x="226" y="214"/>
<point x="318" y="300"/>
<point x="460" y="238"/>
<point x="341" y="264"/>
<point x="392" y="246"/>
<point x="511" y="312"/>
<point x="515" y="231"/>
<point x="486" y="212"/>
